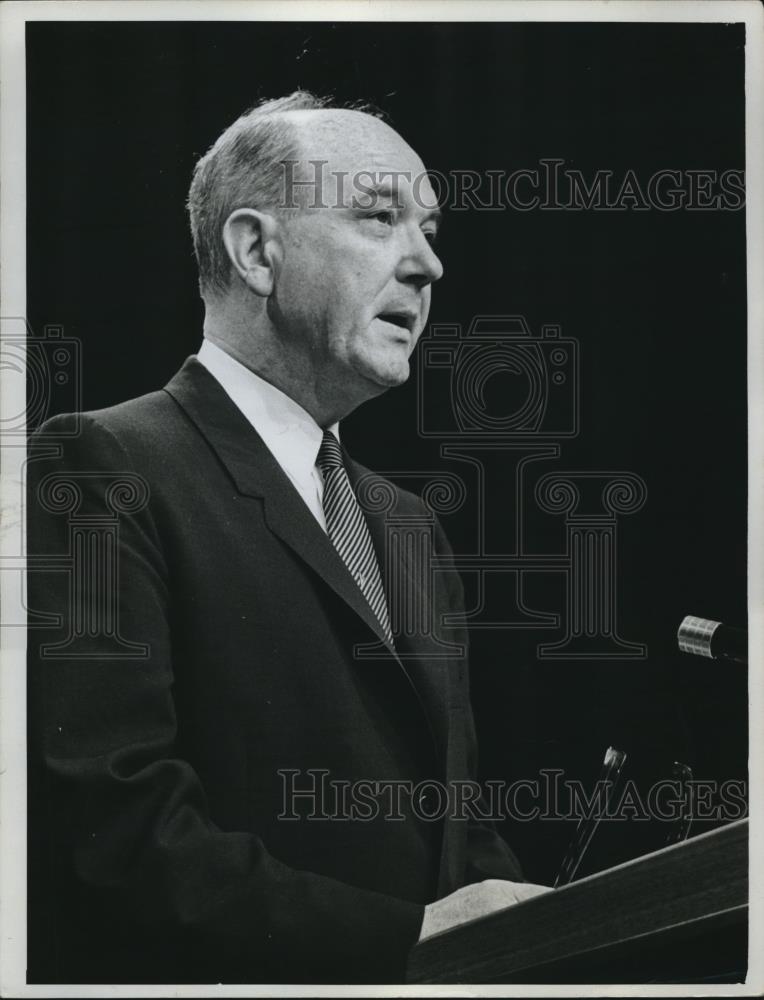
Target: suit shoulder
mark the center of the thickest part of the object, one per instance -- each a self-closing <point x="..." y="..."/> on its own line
<point x="145" y="420"/>
<point x="143" y="417"/>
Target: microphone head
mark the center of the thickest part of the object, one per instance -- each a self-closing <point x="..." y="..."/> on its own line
<point x="695" y="634"/>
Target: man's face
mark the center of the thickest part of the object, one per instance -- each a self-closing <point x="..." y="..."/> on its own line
<point x="353" y="287"/>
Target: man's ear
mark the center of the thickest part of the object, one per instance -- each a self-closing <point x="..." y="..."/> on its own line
<point x="250" y="240"/>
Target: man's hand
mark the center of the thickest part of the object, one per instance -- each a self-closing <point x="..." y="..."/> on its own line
<point x="472" y="901"/>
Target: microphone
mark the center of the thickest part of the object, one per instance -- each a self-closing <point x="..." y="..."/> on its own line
<point x="704" y="637"/>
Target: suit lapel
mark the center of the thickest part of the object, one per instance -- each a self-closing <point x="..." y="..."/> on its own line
<point x="256" y="473"/>
<point x="420" y="654"/>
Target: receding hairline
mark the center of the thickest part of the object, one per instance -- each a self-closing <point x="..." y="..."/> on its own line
<point x="323" y="133"/>
<point x="310" y="122"/>
<point x="326" y="114"/>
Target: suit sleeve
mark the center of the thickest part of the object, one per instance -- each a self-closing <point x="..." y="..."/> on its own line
<point x="488" y="855"/>
<point x="129" y="815"/>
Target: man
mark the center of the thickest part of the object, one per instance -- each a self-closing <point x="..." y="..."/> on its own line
<point x="177" y="832"/>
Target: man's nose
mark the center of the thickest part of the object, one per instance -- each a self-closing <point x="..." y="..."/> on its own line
<point x="419" y="263"/>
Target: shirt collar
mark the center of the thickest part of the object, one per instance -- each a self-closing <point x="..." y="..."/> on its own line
<point x="290" y="433"/>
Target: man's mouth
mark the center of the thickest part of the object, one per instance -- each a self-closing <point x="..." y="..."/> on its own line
<point x="404" y="320"/>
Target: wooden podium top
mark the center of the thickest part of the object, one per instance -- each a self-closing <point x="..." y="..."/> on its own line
<point x="688" y="900"/>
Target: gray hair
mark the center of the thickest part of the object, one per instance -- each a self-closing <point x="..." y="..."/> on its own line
<point x="244" y="168"/>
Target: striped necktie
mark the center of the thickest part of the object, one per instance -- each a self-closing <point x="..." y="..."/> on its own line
<point x="348" y="530"/>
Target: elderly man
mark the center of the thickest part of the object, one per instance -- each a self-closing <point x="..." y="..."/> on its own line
<point x="180" y="747"/>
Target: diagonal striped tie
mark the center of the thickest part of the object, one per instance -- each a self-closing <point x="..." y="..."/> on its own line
<point x="349" y="531"/>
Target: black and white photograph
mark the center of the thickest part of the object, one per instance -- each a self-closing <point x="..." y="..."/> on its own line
<point x="382" y="564"/>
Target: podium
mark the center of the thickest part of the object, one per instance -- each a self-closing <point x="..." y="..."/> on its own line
<point x="678" y="915"/>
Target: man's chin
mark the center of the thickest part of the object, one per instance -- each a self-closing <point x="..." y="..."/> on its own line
<point x="386" y="376"/>
<point x="390" y="379"/>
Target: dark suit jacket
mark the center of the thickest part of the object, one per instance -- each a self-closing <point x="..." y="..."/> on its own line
<point x="158" y="770"/>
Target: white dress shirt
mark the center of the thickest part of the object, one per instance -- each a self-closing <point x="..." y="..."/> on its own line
<point x="290" y="433"/>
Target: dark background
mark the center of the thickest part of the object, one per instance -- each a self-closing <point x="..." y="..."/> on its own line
<point x="117" y="115"/>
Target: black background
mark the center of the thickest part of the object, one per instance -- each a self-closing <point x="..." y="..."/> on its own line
<point x="117" y="115"/>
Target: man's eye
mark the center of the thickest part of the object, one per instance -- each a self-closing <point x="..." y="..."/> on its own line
<point x="431" y="236"/>
<point x="385" y="216"/>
